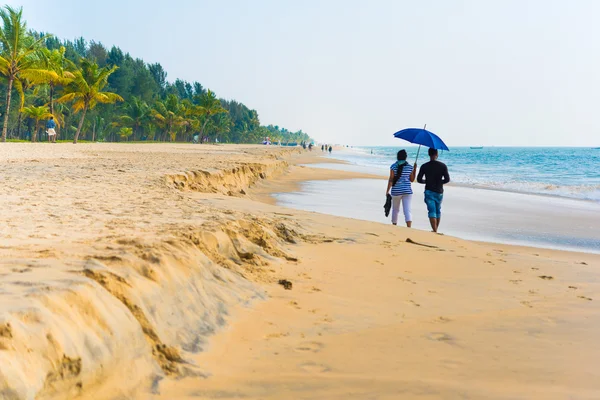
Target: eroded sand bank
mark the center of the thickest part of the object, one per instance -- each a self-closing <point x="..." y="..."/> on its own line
<point x="120" y="261"/>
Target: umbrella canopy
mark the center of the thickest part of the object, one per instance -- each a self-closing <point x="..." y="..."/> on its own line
<point x="422" y="137"/>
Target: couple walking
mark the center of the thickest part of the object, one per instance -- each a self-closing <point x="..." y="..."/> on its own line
<point x="434" y="174"/>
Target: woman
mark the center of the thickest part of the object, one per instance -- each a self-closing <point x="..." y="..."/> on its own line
<point x="401" y="175"/>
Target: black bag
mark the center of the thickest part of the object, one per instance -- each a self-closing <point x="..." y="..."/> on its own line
<point x="388" y="204"/>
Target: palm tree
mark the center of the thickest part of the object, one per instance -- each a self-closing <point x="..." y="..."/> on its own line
<point x="124" y="133"/>
<point x="37" y="114"/>
<point x="209" y="106"/>
<point x="55" y="60"/>
<point x="138" y="112"/>
<point x="168" y="115"/>
<point x="85" y="90"/>
<point x="19" y="55"/>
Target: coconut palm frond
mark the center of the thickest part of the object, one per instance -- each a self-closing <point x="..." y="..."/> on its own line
<point x="107" y="98"/>
<point x="68" y="97"/>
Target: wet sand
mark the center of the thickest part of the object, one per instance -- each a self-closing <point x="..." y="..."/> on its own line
<point x="149" y="272"/>
<point x="468" y="213"/>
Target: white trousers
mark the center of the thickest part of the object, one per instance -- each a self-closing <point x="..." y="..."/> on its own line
<point x="405" y="199"/>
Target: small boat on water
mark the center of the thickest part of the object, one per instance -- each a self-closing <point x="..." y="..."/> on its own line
<point x="476" y="147"/>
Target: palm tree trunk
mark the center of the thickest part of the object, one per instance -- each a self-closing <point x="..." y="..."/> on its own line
<point x="94" y="131"/>
<point x="35" y="131"/>
<point x="52" y="98"/>
<point x="80" y="125"/>
<point x="8" y="96"/>
<point x="202" y="130"/>
<point x="19" y="124"/>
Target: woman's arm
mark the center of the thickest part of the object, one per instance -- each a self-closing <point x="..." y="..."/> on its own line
<point x="390" y="181"/>
<point x="413" y="174"/>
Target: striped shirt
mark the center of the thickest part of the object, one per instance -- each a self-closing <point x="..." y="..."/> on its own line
<point x="403" y="185"/>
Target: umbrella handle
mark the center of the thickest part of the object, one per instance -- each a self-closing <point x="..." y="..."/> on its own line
<point x="418" y="151"/>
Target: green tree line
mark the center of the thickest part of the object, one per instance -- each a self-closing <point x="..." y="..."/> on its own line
<point x="100" y="94"/>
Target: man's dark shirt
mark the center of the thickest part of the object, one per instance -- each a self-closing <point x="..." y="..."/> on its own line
<point x="436" y="175"/>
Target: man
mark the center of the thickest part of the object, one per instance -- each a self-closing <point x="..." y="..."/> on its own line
<point x="434" y="175"/>
<point x="50" y="129"/>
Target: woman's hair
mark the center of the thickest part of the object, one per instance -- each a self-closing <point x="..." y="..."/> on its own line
<point x="402" y="155"/>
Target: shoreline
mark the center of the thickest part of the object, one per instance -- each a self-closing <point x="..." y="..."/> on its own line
<point x="470" y="213"/>
<point x="158" y="257"/>
<point x="383" y="175"/>
<point x="541" y="182"/>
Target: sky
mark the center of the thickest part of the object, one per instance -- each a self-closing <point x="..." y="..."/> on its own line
<point x="478" y="72"/>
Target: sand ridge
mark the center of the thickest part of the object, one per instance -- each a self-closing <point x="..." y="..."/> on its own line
<point x="106" y="264"/>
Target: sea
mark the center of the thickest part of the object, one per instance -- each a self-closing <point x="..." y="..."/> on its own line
<point x="564" y="172"/>
<point x="539" y="197"/>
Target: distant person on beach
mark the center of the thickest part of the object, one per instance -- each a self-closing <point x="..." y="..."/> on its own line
<point x="51" y="130"/>
<point x="401" y="176"/>
<point x="434" y="174"/>
<point x="322" y="148"/>
<point x="330" y="148"/>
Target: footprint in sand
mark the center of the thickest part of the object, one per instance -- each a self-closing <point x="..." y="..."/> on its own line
<point x="585" y="298"/>
<point x="413" y="303"/>
<point x="407" y="280"/>
<point x="440" y="337"/>
<point x="451" y="364"/>
<point x="314" y="368"/>
<point x="546" y="277"/>
<point x="277" y="335"/>
<point x="312" y="347"/>
<point x="295" y="305"/>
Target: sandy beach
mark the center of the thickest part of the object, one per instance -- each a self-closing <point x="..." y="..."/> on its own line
<point x="152" y="272"/>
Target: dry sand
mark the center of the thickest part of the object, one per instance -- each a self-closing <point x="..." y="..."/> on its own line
<point x="121" y="262"/>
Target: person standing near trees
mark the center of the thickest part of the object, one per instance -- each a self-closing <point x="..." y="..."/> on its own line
<point x="51" y="130"/>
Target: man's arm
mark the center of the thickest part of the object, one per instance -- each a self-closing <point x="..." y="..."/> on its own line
<point x="446" y="176"/>
<point x="421" y="174"/>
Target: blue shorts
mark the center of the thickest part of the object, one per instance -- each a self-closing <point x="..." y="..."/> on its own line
<point x="434" y="203"/>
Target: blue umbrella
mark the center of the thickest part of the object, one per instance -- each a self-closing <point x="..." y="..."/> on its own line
<point x="422" y="137"/>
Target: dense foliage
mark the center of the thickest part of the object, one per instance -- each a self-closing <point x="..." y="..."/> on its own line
<point x="101" y="94"/>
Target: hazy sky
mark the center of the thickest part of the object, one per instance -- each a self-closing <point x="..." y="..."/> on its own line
<point x="523" y="72"/>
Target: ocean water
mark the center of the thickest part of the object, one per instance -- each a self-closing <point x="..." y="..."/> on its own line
<point x="541" y="197"/>
<point x="564" y="172"/>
